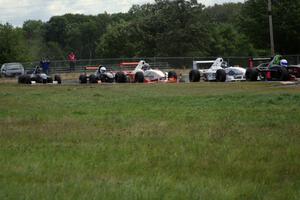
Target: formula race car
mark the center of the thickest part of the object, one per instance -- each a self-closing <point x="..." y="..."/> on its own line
<point x="37" y="76"/>
<point x="143" y="73"/>
<point x="101" y="75"/>
<point x="276" y="69"/>
<point x="218" y="71"/>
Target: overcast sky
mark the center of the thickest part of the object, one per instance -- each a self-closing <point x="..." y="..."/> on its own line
<point x="16" y="12"/>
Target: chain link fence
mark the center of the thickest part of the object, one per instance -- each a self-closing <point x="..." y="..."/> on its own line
<point x="164" y="63"/>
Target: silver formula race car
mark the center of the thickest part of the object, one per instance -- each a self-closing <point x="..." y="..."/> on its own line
<point x="101" y="75"/>
<point x="37" y="76"/>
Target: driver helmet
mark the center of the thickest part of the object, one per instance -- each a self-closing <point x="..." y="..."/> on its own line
<point x="102" y="69"/>
<point x="224" y="64"/>
<point x="38" y="70"/>
<point x="145" y="67"/>
<point x="283" y="63"/>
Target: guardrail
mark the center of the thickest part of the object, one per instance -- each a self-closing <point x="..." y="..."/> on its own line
<point x="63" y="66"/>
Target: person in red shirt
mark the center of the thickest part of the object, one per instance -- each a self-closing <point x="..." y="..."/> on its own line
<point x="72" y="61"/>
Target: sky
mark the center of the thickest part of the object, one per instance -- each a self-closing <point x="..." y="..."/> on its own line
<point x="15" y="12"/>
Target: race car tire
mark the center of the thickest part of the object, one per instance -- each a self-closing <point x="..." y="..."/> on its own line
<point x="120" y="77"/>
<point x="251" y="75"/>
<point x="194" y="75"/>
<point x="38" y="79"/>
<point x="110" y="80"/>
<point x="284" y="74"/>
<point x="247" y="74"/>
<point x="49" y="80"/>
<point x="220" y="75"/>
<point x="82" y="79"/>
<point x="172" y="74"/>
<point x="21" y="79"/>
<point x="92" y="78"/>
<point x="27" y="80"/>
<point x="44" y="81"/>
<point x="57" y="78"/>
<point x="105" y="79"/>
<point x="139" y="77"/>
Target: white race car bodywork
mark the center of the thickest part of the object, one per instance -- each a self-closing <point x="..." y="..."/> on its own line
<point x="232" y="73"/>
<point x="150" y="74"/>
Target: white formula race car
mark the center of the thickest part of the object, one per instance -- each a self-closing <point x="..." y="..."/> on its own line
<point x="143" y="73"/>
<point x="217" y="71"/>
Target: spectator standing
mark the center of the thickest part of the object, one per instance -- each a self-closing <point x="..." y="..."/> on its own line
<point x="72" y="61"/>
<point x="45" y="65"/>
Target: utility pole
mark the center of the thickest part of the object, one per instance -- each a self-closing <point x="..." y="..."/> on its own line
<point x="271" y="27"/>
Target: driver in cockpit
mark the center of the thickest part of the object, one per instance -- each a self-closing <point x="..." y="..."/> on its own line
<point x="224" y="64"/>
<point x="101" y="69"/>
<point x="145" y="67"/>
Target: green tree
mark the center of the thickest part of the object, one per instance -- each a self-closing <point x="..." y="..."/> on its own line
<point x="118" y="41"/>
<point x="224" y="13"/>
<point x="34" y="31"/>
<point x="12" y="44"/>
<point x="165" y="28"/>
<point x="227" y="41"/>
<point x="254" y="23"/>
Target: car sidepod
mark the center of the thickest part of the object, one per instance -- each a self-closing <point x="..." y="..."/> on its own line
<point x="235" y="74"/>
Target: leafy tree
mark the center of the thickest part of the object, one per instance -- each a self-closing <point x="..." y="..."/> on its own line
<point x="227" y="41"/>
<point x="165" y="28"/>
<point x="34" y="31"/>
<point x="224" y="13"/>
<point x="56" y="30"/>
<point x="286" y="16"/>
<point x="286" y="26"/>
<point x="118" y="41"/>
<point x="12" y="44"/>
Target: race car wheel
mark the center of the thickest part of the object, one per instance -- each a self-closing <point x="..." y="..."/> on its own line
<point x="38" y="79"/>
<point x="21" y="79"/>
<point x="251" y="75"/>
<point x="221" y="75"/>
<point x="194" y="76"/>
<point x="172" y="74"/>
<point x="82" y="79"/>
<point x="110" y="80"/>
<point x="120" y="77"/>
<point x="284" y="74"/>
<point x="57" y="78"/>
<point x="248" y="71"/>
<point x="27" y="80"/>
<point x="105" y="79"/>
<point x="93" y="78"/>
<point x="50" y="80"/>
<point x="139" y="77"/>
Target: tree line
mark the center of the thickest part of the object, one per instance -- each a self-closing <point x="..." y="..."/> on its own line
<point x="164" y="28"/>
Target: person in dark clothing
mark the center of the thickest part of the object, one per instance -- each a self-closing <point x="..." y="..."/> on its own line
<point x="45" y="64"/>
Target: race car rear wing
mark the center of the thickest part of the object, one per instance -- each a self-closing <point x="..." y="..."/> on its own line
<point x="195" y="63"/>
<point x="128" y="64"/>
<point x="91" y="67"/>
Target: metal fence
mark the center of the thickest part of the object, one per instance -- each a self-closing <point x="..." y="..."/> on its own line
<point x="63" y="66"/>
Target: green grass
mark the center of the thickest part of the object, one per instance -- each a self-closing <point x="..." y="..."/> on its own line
<point x="160" y="141"/>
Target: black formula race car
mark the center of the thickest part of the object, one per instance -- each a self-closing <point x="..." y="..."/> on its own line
<point x="37" y="76"/>
<point x="101" y="75"/>
<point x="274" y="70"/>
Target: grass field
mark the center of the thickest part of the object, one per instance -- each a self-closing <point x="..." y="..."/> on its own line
<point x="160" y="141"/>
